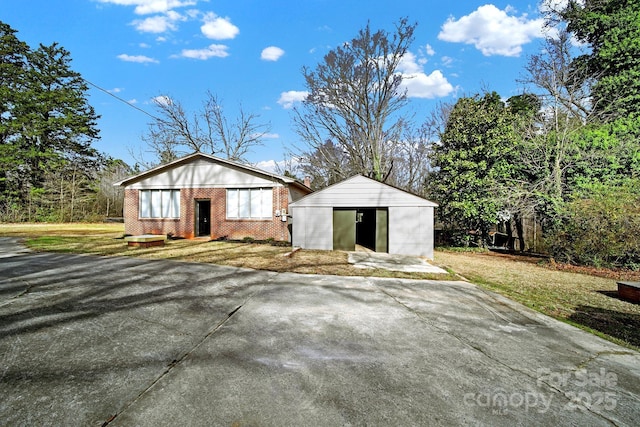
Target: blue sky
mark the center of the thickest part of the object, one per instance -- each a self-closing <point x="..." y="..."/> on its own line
<point x="251" y="52"/>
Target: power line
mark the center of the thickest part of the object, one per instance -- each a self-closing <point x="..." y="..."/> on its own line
<point x="121" y="99"/>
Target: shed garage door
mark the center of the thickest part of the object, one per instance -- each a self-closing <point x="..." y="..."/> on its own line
<point x="367" y="227"/>
<point x="344" y="229"/>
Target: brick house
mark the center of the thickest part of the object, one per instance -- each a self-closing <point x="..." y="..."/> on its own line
<point x="204" y="196"/>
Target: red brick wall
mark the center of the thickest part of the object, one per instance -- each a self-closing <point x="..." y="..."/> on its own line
<point x="220" y="226"/>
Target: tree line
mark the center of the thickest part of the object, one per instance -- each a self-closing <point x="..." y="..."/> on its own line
<point x="48" y="169"/>
<point x="564" y="155"/>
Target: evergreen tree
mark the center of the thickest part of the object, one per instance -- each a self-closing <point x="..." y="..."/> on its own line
<point x="612" y="30"/>
<point x="474" y="161"/>
<point x="45" y="118"/>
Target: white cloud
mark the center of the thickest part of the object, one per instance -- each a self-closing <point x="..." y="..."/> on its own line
<point x="577" y="43"/>
<point x="277" y="166"/>
<point x="271" y="53"/>
<point x="162" y="100"/>
<point x="193" y="13"/>
<point x="409" y="64"/>
<point x="419" y="84"/>
<point x="214" y="50"/>
<point x="287" y="99"/>
<point x="430" y="86"/>
<point x="157" y="6"/>
<point x="141" y="59"/>
<point x="146" y="7"/>
<point x="447" y="60"/>
<point x="270" y="136"/>
<point x="132" y="101"/>
<point x="552" y="5"/>
<point x="430" y="50"/>
<point x="156" y="24"/>
<point x="272" y="166"/>
<point x="115" y="90"/>
<point x="218" y="28"/>
<point x="493" y="31"/>
<point x="159" y="23"/>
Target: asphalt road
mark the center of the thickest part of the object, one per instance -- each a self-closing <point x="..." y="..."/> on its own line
<point x="93" y="341"/>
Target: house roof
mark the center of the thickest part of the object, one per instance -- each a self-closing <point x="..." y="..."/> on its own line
<point x="360" y="191"/>
<point x="191" y="157"/>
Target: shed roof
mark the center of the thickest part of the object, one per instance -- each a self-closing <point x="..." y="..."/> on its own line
<point x="359" y="192"/>
<point x="195" y="156"/>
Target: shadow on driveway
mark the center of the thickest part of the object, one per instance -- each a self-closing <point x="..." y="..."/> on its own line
<point x="119" y="341"/>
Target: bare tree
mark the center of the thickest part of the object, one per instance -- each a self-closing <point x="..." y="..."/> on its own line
<point x="550" y="148"/>
<point x="176" y="132"/>
<point x="290" y="166"/>
<point x="412" y="163"/>
<point x="234" y="138"/>
<point x="325" y="165"/>
<point x="354" y="102"/>
<point x="110" y="198"/>
<point x="565" y="86"/>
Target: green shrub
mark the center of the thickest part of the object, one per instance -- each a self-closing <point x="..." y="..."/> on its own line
<point x="600" y="227"/>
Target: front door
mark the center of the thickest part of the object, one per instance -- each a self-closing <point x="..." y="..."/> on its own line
<point x="203" y="217"/>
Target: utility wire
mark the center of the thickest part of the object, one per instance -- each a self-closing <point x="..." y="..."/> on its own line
<point x="121" y="99"/>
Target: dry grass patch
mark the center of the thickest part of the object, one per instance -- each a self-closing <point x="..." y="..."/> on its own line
<point x="263" y="256"/>
<point x="63" y="229"/>
<point x="107" y="240"/>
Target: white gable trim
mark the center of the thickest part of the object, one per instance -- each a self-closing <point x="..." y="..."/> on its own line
<point x="360" y="191"/>
<point x="195" y="157"/>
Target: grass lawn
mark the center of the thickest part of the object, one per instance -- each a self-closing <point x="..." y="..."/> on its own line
<point x="584" y="298"/>
<point x="107" y="239"/>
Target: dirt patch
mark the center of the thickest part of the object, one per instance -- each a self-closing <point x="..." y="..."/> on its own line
<point x="617" y="275"/>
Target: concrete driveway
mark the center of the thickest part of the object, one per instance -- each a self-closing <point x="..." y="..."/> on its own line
<point x="95" y="341"/>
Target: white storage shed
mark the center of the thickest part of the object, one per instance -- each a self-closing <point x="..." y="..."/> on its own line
<point x="362" y="211"/>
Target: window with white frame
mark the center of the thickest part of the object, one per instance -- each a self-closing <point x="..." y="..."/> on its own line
<point x="160" y="204"/>
<point x="249" y="203"/>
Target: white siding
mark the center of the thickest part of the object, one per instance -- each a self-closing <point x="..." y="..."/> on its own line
<point x="312" y="228"/>
<point x="411" y="231"/>
<point x="362" y="192"/>
<point x="202" y="173"/>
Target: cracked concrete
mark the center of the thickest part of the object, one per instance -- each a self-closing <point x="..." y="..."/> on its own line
<point x="406" y="263"/>
<point x="171" y="366"/>
<point x="123" y="341"/>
